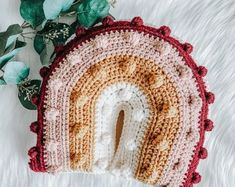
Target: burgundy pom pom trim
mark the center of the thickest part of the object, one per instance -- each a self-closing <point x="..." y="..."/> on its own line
<point x="34" y="127"/>
<point x="188" y="48"/>
<point x="44" y="71"/>
<point x="196" y="178"/>
<point x="202" y="71"/>
<point x="208" y="125"/>
<point x="108" y="21"/>
<point x="137" y="21"/>
<point x="165" y="31"/>
<point x="203" y="153"/>
<point x="33" y="152"/>
<point x="210" y="97"/>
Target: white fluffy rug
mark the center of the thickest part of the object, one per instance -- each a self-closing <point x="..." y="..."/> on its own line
<point x="209" y="25"/>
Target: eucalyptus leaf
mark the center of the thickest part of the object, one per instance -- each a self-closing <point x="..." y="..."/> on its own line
<point x="9" y="36"/>
<point x="32" y="12"/>
<point x="53" y="8"/>
<point x="89" y="11"/>
<point x="26" y="91"/>
<point x="11" y="51"/>
<point x="47" y="53"/>
<point x="15" y="72"/>
<point x="2" y="82"/>
<point x="57" y="32"/>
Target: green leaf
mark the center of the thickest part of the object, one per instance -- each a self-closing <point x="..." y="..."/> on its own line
<point x="39" y="44"/>
<point x="53" y="8"/>
<point x="32" y="12"/>
<point x="15" y="72"/>
<point x="2" y="82"/>
<point x="9" y="36"/>
<point x="47" y="53"/>
<point x="11" y="51"/>
<point x="89" y="11"/>
<point x="57" y="32"/>
<point x="26" y="91"/>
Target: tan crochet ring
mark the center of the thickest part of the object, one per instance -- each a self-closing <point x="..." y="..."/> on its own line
<point x="123" y="98"/>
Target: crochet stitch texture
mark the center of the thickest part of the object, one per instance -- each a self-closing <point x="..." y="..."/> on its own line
<point x="123" y="98"/>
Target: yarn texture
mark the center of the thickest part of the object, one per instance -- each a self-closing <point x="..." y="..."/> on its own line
<point x="141" y="72"/>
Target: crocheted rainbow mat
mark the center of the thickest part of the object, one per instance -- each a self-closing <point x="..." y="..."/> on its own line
<point x="126" y="99"/>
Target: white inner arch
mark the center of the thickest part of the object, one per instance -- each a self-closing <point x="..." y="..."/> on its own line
<point x="115" y="98"/>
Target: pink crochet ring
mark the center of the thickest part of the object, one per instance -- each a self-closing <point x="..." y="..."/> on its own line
<point x="123" y="98"/>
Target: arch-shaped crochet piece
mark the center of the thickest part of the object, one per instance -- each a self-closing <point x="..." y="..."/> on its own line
<point x="123" y="66"/>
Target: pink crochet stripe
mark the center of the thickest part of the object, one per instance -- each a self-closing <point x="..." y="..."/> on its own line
<point x="37" y="160"/>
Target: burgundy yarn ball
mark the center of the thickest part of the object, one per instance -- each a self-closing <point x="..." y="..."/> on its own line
<point x="203" y="153"/>
<point x="44" y="71"/>
<point x="196" y="178"/>
<point x="202" y="71"/>
<point x="210" y="97"/>
<point x="137" y="21"/>
<point x="208" y="125"/>
<point x="188" y="48"/>
<point x="108" y="21"/>
<point x="164" y="30"/>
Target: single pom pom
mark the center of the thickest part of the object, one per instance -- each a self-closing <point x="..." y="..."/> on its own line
<point x="59" y="49"/>
<point x="164" y="30"/>
<point x="196" y="178"/>
<point x="80" y="31"/>
<point x="108" y="21"/>
<point x="188" y="48"/>
<point x="208" y="125"/>
<point x="33" y="152"/>
<point x="35" y="99"/>
<point x="202" y="71"/>
<point x="137" y="21"/>
<point x="34" y="127"/>
<point x="202" y="154"/>
<point x="44" y="71"/>
<point x="210" y="97"/>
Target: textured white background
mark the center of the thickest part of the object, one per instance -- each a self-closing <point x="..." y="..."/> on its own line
<point x="209" y="25"/>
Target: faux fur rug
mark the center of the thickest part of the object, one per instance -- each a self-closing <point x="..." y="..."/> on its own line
<point x="209" y="25"/>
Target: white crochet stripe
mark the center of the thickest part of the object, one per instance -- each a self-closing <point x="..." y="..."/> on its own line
<point x="89" y="54"/>
<point x="132" y="128"/>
